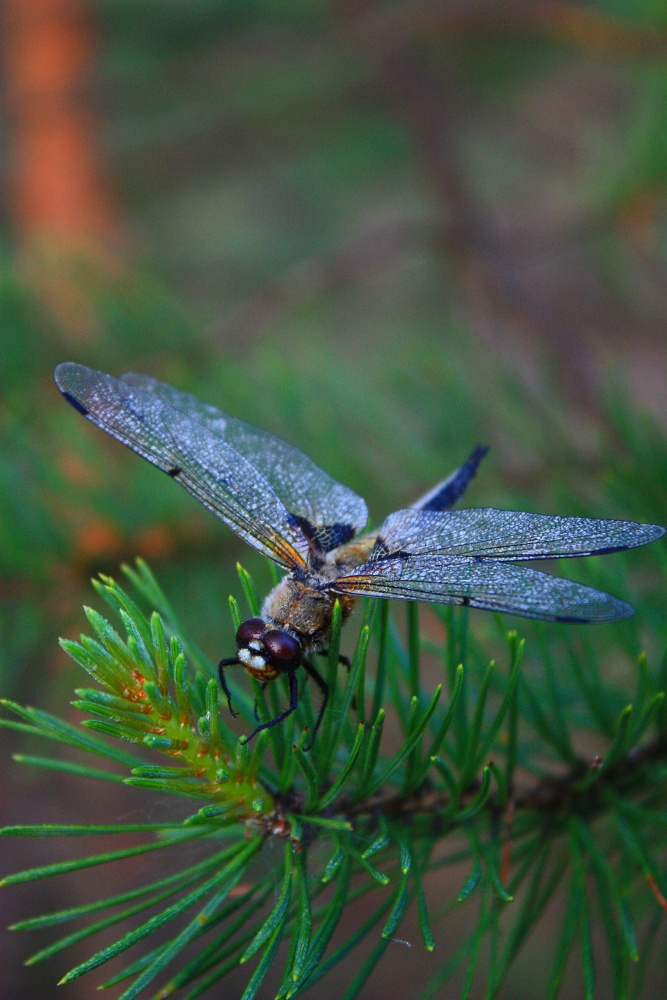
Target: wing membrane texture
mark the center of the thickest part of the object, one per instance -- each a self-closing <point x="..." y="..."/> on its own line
<point x="506" y="534"/>
<point x="481" y="583"/>
<point x="333" y="511"/>
<point x="206" y="466"/>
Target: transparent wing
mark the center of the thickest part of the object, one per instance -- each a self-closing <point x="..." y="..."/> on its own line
<point x="206" y="466"/>
<point x="478" y="583"/>
<point x="329" y="513"/>
<point x="506" y="534"/>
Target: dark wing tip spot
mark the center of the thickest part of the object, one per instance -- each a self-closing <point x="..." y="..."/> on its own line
<point x="455" y="486"/>
<point x="618" y="613"/>
<point x="606" y="550"/>
<point x="174" y="472"/>
<point x="73" y="401"/>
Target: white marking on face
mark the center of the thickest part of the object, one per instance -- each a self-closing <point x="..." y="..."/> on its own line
<point x="245" y="655"/>
<point x="257" y="662"/>
<point x="255" y="645"/>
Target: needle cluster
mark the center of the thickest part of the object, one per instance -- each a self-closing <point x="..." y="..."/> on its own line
<point x="463" y="786"/>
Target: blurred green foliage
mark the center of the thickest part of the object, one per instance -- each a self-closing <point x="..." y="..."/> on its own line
<point x="308" y="249"/>
<point x="383" y="231"/>
<point x="318" y="263"/>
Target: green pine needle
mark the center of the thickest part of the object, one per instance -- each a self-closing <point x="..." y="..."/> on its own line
<point x="496" y="764"/>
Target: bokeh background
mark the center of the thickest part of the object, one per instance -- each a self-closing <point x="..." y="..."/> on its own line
<point x="384" y="231"/>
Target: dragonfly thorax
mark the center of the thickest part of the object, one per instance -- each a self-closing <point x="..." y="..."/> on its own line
<point x="304" y="609"/>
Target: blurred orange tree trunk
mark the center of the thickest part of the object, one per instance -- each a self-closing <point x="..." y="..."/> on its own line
<point x="57" y="186"/>
<point x="64" y="214"/>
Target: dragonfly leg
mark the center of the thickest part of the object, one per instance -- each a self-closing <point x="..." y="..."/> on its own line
<point x="346" y="663"/>
<point x="255" y="707"/>
<point x="322" y="685"/>
<point x="293" y="702"/>
<point x="341" y="658"/>
<point x="221" y="672"/>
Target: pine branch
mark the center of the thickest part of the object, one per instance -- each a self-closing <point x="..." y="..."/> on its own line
<point x="465" y="768"/>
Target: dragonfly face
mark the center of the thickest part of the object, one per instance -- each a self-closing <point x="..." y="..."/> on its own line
<point x="281" y="503"/>
<point x="266" y="653"/>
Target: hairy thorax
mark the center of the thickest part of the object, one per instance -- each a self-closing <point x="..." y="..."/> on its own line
<point x="299" y="607"/>
<point x="305" y="606"/>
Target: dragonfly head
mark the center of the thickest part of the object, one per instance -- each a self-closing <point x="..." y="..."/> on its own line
<point x="266" y="652"/>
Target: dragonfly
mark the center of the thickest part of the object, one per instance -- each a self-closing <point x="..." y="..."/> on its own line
<point x="280" y="502"/>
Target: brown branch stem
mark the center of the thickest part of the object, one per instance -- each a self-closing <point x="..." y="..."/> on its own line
<point x="566" y="794"/>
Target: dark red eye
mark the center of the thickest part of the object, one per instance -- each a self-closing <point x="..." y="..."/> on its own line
<point x="283" y="647"/>
<point x="251" y="630"/>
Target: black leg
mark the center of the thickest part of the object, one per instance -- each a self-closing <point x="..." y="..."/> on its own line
<point x="322" y="685"/>
<point x="223" y="682"/>
<point x="264" y="683"/>
<point x="346" y="663"/>
<point x="293" y="702"/>
<point x="341" y="658"/>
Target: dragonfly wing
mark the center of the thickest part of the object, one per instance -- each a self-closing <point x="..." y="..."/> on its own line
<point x="481" y="583"/>
<point x="450" y="490"/>
<point x="506" y="534"/>
<point x="329" y="513"/>
<point x="206" y="466"/>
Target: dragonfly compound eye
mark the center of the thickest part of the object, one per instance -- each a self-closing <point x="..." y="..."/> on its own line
<point x="251" y="630"/>
<point x="283" y="649"/>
